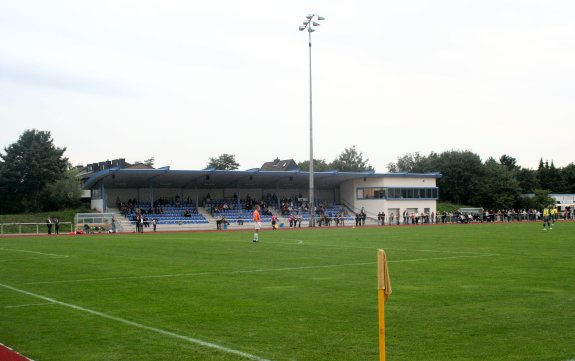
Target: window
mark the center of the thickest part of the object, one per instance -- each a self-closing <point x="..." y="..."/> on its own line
<point x="96" y="193"/>
<point x="396" y="193"/>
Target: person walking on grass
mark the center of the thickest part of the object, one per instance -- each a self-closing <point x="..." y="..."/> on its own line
<point x="257" y="223"/>
<point x="546" y="215"/>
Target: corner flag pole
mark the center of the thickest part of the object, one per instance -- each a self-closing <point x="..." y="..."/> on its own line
<point x="383" y="292"/>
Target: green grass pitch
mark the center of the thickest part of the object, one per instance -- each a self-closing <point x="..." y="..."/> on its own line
<point x="460" y="292"/>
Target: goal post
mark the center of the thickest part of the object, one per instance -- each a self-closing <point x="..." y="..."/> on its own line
<point x="94" y="223"/>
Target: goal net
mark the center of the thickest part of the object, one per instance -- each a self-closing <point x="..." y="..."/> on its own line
<point x="94" y="223"/>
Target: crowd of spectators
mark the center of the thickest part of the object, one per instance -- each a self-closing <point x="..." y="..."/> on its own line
<point x="486" y="216"/>
<point x="221" y="206"/>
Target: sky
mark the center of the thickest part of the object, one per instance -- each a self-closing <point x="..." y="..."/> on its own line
<point x="186" y="81"/>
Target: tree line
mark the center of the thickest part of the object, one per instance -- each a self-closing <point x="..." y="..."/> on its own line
<point x="493" y="184"/>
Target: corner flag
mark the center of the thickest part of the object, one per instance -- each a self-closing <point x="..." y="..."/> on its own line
<point x="383" y="292"/>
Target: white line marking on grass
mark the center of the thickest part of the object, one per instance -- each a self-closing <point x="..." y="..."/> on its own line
<point x="13" y="351"/>
<point x="201" y="273"/>
<point x="34" y="252"/>
<point x="436" y="251"/>
<point x="139" y="325"/>
<point x="29" y="305"/>
<point x="441" y="258"/>
<point x="26" y="259"/>
<point x="375" y="248"/>
<point x="263" y="270"/>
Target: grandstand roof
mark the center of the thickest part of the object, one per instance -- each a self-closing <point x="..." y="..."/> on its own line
<point x="210" y="178"/>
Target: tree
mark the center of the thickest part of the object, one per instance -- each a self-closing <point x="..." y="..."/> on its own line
<point x="351" y="161"/>
<point x="63" y="193"/>
<point x="549" y="177"/>
<point x="568" y="175"/>
<point x="223" y="162"/>
<point x="527" y="179"/>
<point x="319" y="165"/>
<point x="28" y="166"/>
<point x="509" y="162"/>
<point x="461" y="174"/>
<point x="149" y="162"/>
<point x="542" y="198"/>
<point x="498" y="188"/>
<point x="412" y="163"/>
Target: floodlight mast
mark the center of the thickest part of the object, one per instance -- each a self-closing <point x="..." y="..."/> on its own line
<point x="308" y="25"/>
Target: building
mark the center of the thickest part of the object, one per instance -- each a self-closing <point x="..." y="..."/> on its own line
<point x="392" y="193"/>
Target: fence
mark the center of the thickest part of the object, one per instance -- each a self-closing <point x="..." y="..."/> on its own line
<point x="33" y="228"/>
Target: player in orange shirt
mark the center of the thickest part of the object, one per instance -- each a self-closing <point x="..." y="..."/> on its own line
<point x="257" y="223"/>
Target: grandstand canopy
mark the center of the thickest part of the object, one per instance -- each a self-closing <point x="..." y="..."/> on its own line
<point x="210" y="178"/>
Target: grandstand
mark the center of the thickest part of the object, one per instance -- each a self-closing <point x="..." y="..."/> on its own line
<point x="211" y="194"/>
<point x="187" y="216"/>
<point x="171" y="214"/>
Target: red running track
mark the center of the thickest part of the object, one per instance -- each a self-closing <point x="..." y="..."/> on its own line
<point x="7" y="354"/>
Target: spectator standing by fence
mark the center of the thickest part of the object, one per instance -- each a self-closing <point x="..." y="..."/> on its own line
<point x="49" y="225"/>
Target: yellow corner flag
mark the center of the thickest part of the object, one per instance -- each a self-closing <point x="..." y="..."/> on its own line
<point x="383" y="292"/>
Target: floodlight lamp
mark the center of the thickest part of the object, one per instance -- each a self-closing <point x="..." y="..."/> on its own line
<point x="315" y="24"/>
<point x="310" y="30"/>
<point x="320" y="17"/>
<point x="301" y="28"/>
<point x="309" y="16"/>
<point x="306" y="22"/>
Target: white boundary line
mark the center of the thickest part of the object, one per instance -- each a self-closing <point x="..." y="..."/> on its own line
<point x="139" y="325"/>
<point x="203" y="273"/>
<point x="17" y="353"/>
<point x="442" y="258"/>
<point x="29" y="305"/>
<point x="34" y="252"/>
<point x="27" y="259"/>
<point x="300" y="242"/>
<point x="253" y="271"/>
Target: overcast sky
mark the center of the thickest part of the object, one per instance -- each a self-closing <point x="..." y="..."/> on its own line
<point x="185" y="81"/>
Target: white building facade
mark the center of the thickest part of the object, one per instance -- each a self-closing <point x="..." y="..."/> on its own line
<point x="395" y="194"/>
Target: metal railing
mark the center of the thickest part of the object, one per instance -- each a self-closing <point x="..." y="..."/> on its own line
<point x="34" y="228"/>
